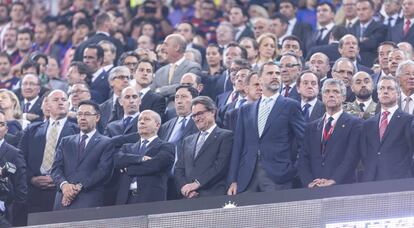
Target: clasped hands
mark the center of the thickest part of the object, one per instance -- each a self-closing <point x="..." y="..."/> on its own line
<point x="320" y="182"/>
<point x="70" y="191"/>
<point x="189" y="190"/>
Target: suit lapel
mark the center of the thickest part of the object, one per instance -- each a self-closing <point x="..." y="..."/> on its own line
<point x="337" y="132"/>
<point x="91" y="144"/>
<point x="255" y="114"/>
<point x="131" y="124"/>
<point x="3" y="150"/>
<point x="274" y="113"/>
<point x="394" y="122"/>
<point x="210" y="139"/>
<point x="171" y="128"/>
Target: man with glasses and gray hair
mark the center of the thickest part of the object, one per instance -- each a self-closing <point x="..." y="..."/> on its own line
<point x="330" y="150"/>
<point x="405" y="75"/>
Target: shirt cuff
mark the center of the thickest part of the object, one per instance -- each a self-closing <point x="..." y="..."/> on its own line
<point x="61" y="184"/>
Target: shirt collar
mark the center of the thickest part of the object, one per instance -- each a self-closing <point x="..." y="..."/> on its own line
<point x="144" y="91"/>
<point x="133" y="116"/>
<point x="178" y="62"/>
<point x="32" y="101"/>
<point x="328" y="26"/>
<point x="274" y="96"/>
<point x="211" y="129"/>
<point x="391" y="110"/>
<point x="61" y="121"/>
<point x="150" y="139"/>
<point x="352" y="21"/>
<point x="98" y="72"/>
<point x="366" y="24"/>
<point x="334" y="116"/>
<point x="312" y="102"/>
<point x="90" y="134"/>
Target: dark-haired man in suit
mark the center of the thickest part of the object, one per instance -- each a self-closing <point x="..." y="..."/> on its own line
<point x="325" y="13"/>
<point x="83" y="163"/>
<point x="308" y="88"/>
<point x="145" y="165"/>
<point x="30" y="89"/>
<point x="404" y="30"/>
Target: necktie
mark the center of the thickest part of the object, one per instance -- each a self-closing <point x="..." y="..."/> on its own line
<point x="234" y="95"/>
<point x="178" y="134"/>
<point x="240" y="102"/>
<point x="82" y="145"/>
<point x="127" y="121"/>
<point x="407" y="27"/>
<point x="407" y="104"/>
<point x="362" y="107"/>
<point x="201" y="139"/>
<point x="227" y="82"/>
<point x="264" y="111"/>
<point x="305" y="111"/>
<point x="143" y="148"/>
<point x="326" y="134"/>
<point x="389" y="22"/>
<point x="349" y="25"/>
<point x="320" y="35"/>
<point x="287" y="88"/>
<point x="50" y="147"/>
<point x="361" y="34"/>
<point x="171" y="73"/>
<point x="26" y="107"/>
<point x="383" y="123"/>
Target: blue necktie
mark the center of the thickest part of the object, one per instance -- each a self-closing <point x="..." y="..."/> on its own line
<point x="179" y="133"/>
<point x="143" y="148"/>
<point x="127" y="121"/>
<point x="305" y="111"/>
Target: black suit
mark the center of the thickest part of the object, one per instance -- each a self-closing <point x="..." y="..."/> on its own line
<point x="16" y="203"/>
<point x="151" y="174"/>
<point x="94" y="40"/>
<point x="396" y="35"/>
<point x="303" y="31"/>
<point x="91" y="169"/>
<point x="120" y="134"/>
<point x="154" y="102"/>
<point x="110" y="112"/>
<point x="101" y="85"/>
<point x="36" y="108"/>
<point x="247" y="32"/>
<point x="373" y="35"/>
<point x="313" y="40"/>
<point x="218" y="85"/>
<point x="209" y="167"/>
<point x="32" y="145"/>
<point x="317" y="112"/>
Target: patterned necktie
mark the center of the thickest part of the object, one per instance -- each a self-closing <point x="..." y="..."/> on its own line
<point x="50" y="147"/>
<point x="383" y="124"/>
<point x="361" y="34"/>
<point x="287" y="88"/>
<point x="178" y="134"/>
<point x="327" y="132"/>
<point x="127" y="121"/>
<point x="407" y="104"/>
<point x="201" y="139"/>
<point x="82" y="145"/>
<point x="320" y="35"/>
<point x="171" y="73"/>
<point x="362" y="107"/>
<point x="305" y="111"/>
<point x="143" y="147"/>
<point x="26" y="107"/>
<point x="407" y="27"/>
<point x="264" y="111"/>
<point x="389" y="24"/>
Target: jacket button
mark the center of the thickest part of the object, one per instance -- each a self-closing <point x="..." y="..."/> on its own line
<point x="379" y="153"/>
<point x="323" y="163"/>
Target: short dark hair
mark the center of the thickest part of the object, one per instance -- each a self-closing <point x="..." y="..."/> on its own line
<point x="243" y="50"/>
<point x="299" y="79"/>
<point x="390" y="43"/>
<point x="293" y="38"/>
<point x="293" y="3"/>
<point x="243" y="10"/>
<point x="192" y="90"/>
<point x="99" y="51"/>
<point x="35" y="56"/>
<point x="29" y="64"/>
<point x="124" y="55"/>
<point x="91" y="103"/>
<point x="371" y="3"/>
<point x="84" y="21"/>
<point x="266" y="64"/>
<point x="330" y="5"/>
<point x="283" y="19"/>
<point x="83" y="69"/>
<point x="101" y="19"/>
<point x="65" y="23"/>
<point x="25" y="31"/>
<point x="207" y="102"/>
<point x="215" y="46"/>
<point x="5" y="55"/>
<point x="147" y="61"/>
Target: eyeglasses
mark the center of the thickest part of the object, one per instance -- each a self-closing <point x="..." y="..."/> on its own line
<point x="289" y="65"/>
<point x="198" y="114"/>
<point x="86" y="114"/>
<point x="122" y="77"/>
<point x="344" y="72"/>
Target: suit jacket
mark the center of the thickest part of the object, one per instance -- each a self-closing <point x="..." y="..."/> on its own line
<point x="330" y="50"/>
<point x="318" y="111"/>
<point x="303" y="31"/>
<point x="18" y="184"/>
<point x="340" y="156"/>
<point x="151" y="174"/>
<point x="391" y="157"/>
<point x="154" y="102"/>
<point x="354" y="109"/>
<point x="221" y="112"/>
<point x="294" y="94"/>
<point x="92" y="169"/>
<point x="374" y="34"/>
<point x="35" y="109"/>
<point x="167" y="128"/>
<point x="284" y="125"/>
<point x="94" y="40"/>
<point x="33" y="144"/>
<point x="110" y="112"/>
<point x="221" y="99"/>
<point x="218" y="85"/>
<point x="247" y="32"/>
<point x="313" y="41"/>
<point x="396" y="34"/>
<point x="361" y="67"/>
<point x="101" y="85"/>
<point x="121" y="135"/>
<point x="230" y="119"/>
<point x="209" y="167"/>
<point x="167" y="89"/>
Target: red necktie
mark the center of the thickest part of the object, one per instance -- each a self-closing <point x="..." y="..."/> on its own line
<point x="383" y="123"/>
<point x="287" y="88"/>
<point x="407" y="27"/>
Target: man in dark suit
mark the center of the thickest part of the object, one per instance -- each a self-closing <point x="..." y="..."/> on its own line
<point x="238" y="17"/>
<point x="83" y="163"/>
<point x="387" y="138"/>
<point x="111" y="109"/>
<point x="384" y="49"/>
<point x="145" y="165"/>
<point x="14" y="205"/>
<point x="308" y="88"/>
<point x="105" y="24"/>
<point x="265" y="132"/>
<point x="290" y="68"/>
<point x="348" y="47"/>
<point x="299" y="29"/>
<point x="404" y="31"/>
<point x="176" y="129"/>
<point x="31" y="105"/>
<point x="143" y="79"/>
<point x="93" y="56"/>
<point x="202" y="164"/>
<point x="38" y="145"/>
<point x="330" y="150"/>
<point x="168" y="77"/>
<point x="325" y="13"/>
<point x="369" y="32"/>
<point x="330" y="49"/>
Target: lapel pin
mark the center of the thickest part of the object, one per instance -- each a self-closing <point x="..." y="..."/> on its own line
<point x="343" y="125"/>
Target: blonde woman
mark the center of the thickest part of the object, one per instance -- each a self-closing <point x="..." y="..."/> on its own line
<point x="268" y="50"/>
<point x="9" y="104"/>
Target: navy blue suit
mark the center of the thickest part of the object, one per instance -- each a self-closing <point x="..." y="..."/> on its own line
<point x="221" y="99"/>
<point x="101" y="85"/>
<point x="396" y="35"/>
<point x="32" y="145"/>
<point x="154" y="102"/>
<point x="284" y="125"/>
<point x="120" y="134"/>
<point x="317" y="111"/>
<point x="36" y="108"/>
<point x="151" y="174"/>
<point x="340" y="156"/>
<point x="110" y="111"/>
<point x="390" y="158"/>
<point x="92" y="169"/>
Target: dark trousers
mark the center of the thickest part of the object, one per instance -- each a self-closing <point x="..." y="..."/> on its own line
<point x="40" y="200"/>
<point x="261" y="182"/>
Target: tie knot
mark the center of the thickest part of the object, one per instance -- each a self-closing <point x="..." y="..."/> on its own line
<point x="385" y="114"/>
<point x="204" y="133"/>
<point x="144" y="142"/>
<point x="307" y="106"/>
<point x="407" y="99"/>
<point x="408" y="22"/>
<point x="330" y="119"/>
<point x="322" y="29"/>
<point x="56" y="123"/>
<point x="84" y="137"/>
